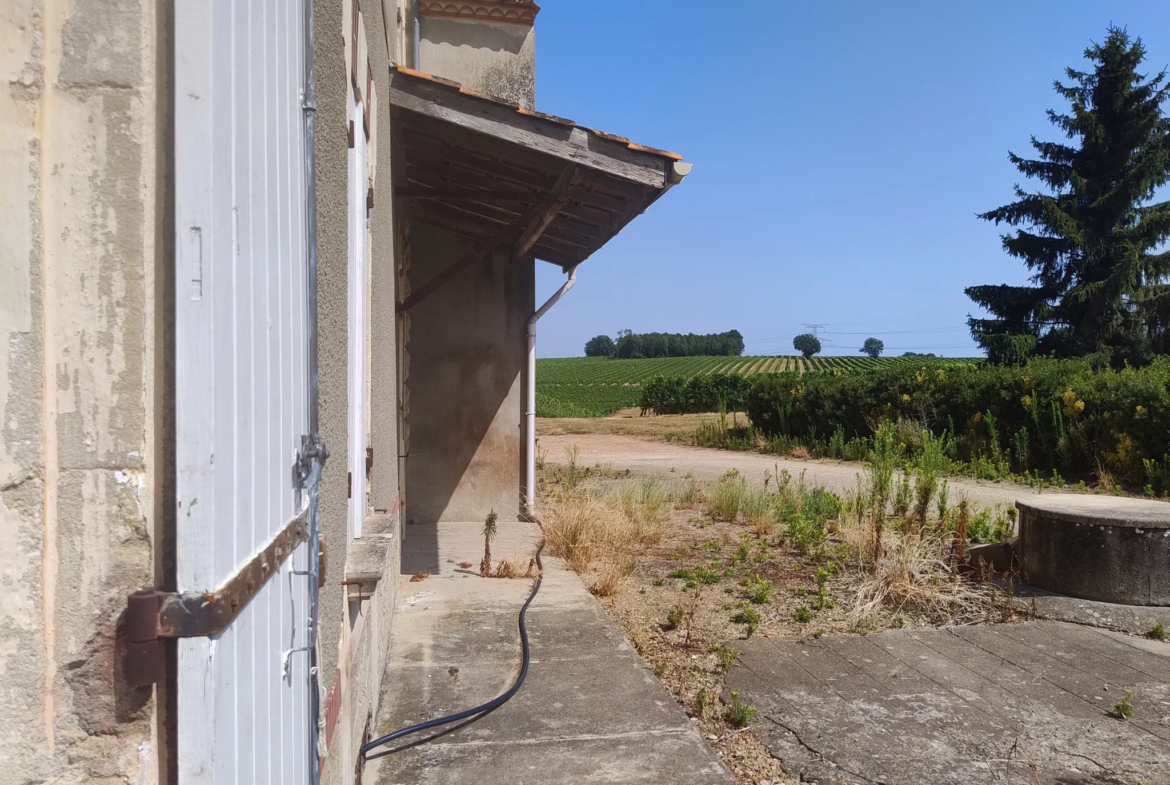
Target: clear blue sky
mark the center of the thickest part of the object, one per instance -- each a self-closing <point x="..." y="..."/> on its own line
<point x="841" y="151"/>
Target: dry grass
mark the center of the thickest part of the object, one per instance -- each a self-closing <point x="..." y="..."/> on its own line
<point x="626" y="422"/>
<point x="912" y="577"/>
<point x="589" y="525"/>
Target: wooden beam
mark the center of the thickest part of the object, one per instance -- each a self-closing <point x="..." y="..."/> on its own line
<point x="471" y="257"/>
<point x="569" y="178"/>
<point x="568" y="143"/>
<point x="471" y="195"/>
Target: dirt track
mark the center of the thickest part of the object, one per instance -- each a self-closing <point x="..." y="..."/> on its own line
<point x="650" y="457"/>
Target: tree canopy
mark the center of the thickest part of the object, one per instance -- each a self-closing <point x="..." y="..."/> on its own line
<point x="1091" y="237"/>
<point x="807" y="344"/>
<point x="873" y="347"/>
<point x="600" y="346"/>
<point x="631" y="345"/>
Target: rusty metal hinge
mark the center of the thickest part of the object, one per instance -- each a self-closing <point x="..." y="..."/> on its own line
<point x="153" y="615"/>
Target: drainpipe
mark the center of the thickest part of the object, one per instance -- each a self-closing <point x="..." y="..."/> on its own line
<point x="530" y="424"/>
<point x="417" y="34"/>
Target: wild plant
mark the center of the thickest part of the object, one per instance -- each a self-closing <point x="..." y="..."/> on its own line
<point x="1123" y="709"/>
<point x="749" y="616"/>
<point x="960" y="547"/>
<point x="489" y="534"/>
<point x="902" y="497"/>
<point x="757" y="591"/>
<point x="728" y="655"/>
<point x="572" y="476"/>
<point x="759" y="510"/>
<point x="931" y="462"/>
<point x="943" y="493"/>
<point x="822" y="588"/>
<point x="739" y="713"/>
<point x="802" y="615"/>
<point x="727" y="496"/>
<point x="1157" y="632"/>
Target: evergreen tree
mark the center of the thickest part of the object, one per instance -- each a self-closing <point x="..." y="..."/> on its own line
<point x="1098" y="284"/>
<point x="873" y="347"/>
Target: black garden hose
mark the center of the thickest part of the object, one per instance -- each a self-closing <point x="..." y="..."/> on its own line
<point x="468" y="714"/>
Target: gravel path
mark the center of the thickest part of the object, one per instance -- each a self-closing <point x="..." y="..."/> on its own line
<point x="648" y="457"/>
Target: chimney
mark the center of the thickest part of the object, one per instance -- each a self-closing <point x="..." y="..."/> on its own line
<point x="486" y="45"/>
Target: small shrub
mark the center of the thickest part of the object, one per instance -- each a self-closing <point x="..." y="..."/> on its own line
<point x="822" y="588"/>
<point x="690" y="495"/>
<point x="807" y="534"/>
<point x="682" y="573"/>
<point x="660" y="581"/>
<point x="757" y="591"/>
<point x="739" y="713"/>
<point x="674" y="617"/>
<point x="803" y="614"/>
<point x="1157" y="632"/>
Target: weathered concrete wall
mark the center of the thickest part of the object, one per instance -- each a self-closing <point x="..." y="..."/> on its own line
<point x="466" y="349"/>
<point x="80" y="123"/>
<point x="497" y="58"/>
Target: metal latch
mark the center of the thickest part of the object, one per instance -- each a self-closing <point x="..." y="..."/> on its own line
<point x="153" y="615"/>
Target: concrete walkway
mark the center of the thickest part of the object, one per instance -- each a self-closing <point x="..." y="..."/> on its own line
<point x="1025" y="703"/>
<point x="590" y="711"/>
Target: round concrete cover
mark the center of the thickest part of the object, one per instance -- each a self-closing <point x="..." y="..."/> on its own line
<point x="1101" y="510"/>
<point x="1104" y="548"/>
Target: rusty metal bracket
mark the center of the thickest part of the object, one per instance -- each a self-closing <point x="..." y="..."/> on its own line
<point x="153" y="615"/>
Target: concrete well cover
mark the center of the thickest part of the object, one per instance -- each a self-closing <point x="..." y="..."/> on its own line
<point x="1103" y="548"/>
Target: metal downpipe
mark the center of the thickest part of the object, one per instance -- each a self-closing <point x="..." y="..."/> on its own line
<point x="313" y="445"/>
<point x="530" y="408"/>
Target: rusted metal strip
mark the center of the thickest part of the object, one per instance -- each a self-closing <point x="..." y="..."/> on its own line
<point x="153" y="615"/>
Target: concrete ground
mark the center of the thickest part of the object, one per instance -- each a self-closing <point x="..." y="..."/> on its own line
<point x="1024" y="703"/>
<point x="590" y="710"/>
<point x="654" y="457"/>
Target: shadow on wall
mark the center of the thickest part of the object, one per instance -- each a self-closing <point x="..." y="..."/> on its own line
<point x="466" y="355"/>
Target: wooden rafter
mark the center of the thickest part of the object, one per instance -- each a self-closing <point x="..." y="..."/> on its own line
<point x="569" y="178"/>
<point x="472" y="256"/>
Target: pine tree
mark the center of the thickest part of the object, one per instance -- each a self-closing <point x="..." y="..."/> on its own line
<point x="1098" y="285"/>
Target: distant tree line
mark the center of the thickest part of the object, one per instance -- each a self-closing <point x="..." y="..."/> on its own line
<point x="631" y="346"/>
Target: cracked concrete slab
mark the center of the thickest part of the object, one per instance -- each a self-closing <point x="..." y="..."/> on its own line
<point x="590" y="710"/>
<point x="1014" y="703"/>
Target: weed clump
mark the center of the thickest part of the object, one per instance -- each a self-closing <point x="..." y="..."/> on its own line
<point x="802" y="614"/>
<point x="1157" y="632"/>
<point x="1123" y="709"/>
<point x="749" y="616"/>
<point x="739" y="713"/>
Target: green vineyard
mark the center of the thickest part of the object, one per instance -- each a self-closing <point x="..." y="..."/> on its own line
<point x="597" y="386"/>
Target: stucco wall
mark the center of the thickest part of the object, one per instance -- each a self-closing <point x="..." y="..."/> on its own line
<point x="497" y="58"/>
<point x="466" y="351"/>
<point x="331" y="26"/>
<point x="345" y="643"/>
<point x="79" y="477"/>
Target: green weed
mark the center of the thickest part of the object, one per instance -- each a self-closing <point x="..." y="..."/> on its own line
<point x="802" y="614"/>
<point x="739" y="713"/>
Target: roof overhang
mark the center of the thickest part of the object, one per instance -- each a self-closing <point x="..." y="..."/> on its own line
<point x="496" y="173"/>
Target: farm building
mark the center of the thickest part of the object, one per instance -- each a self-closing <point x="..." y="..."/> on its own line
<point x="267" y="287"/>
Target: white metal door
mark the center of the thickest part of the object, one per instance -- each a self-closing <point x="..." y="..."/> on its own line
<point x="358" y="287"/>
<point x="245" y="713"/>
